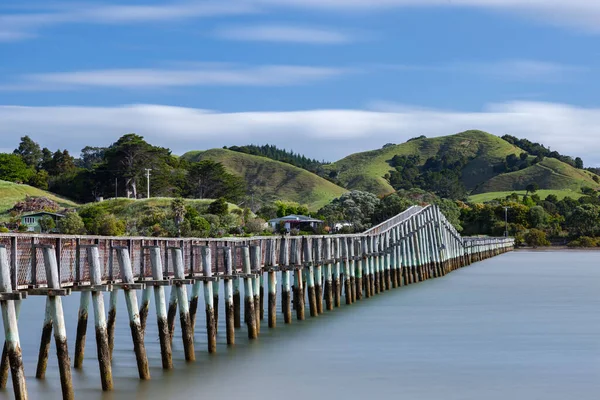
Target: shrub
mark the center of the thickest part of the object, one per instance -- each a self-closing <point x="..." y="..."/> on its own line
<point x="22" y="228"/>
<point x="71" y="224"/>
<point x="255" y="225"/>
<point x="47" y="223"/>
<point x="584" y="241"/>
<point x="536" y="238"/>
<point x="109" y="225"/>
<point x="4" y="229"/>
<point x="218" y="207"/>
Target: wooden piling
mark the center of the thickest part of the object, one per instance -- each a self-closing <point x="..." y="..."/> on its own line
<point x="58" y="323"/>
<point x="387" y="256"/>
<point x="102" y="348"/>
<point x="5" y="362"/>
<point x="145" y="307"/>
<point x="237" y="309"/>
<point x="298" y="284"/>
<point x="346" y="266"/>
<point x="284" y="264"/>
<point x="352" y="269"/>
<point x="211" y="329"/>
<point x="44" y="351"/>
<point x="328" y="274"/>
<point x="164" y="334"/>
<point x="256" y="263"/>
<point x="249" y="313"/>
<point x="271" y="282"/>
<point x="82" y="322"/>
<point x="310" y="277"/>
<point x="337" y="287"/>
<point x="318" y="272"/>
<point x="216" y="286"/>
<point x="229" y="307"/>
<point x="365" y="266"/>
<point x="180" y="289"/>
<point x="111" y="320"/>
<point x="11" y="330"/>
<point x="171" y="314"/>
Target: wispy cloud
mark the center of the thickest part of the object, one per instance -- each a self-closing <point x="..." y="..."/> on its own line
<point x="512" y="70"/>
<point x="323" y="134"/>
<point x="208" y="74"/>
<point x="17" y="26"/>
<point x="283" y="33"/>
<point x="577" y="14"/>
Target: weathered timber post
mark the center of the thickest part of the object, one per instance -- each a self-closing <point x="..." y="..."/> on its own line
<point x="359" y="264"/>
<point x="195" y="287"/>
<point x="328" y="274"/>
<point x="318" y="273"/>
<point x="171" y="314"/>
<point x="373" y="265"/>
<point x="237" y="306"/>
<point x="284" y="263"/>
<point x="256" y="263"/>
<point x="298" y="284"/>
<point x="229" y="307"/>
<point x="82" y="321"/>
<point x="42" y="363"/>
<point x="337" y="286"/>
<point x="211" y="328"/>
<point x="146" y="292"/>
<point x="58" y="322"/>
<point x="346" y="261"/>
<point x="249" y="313"/>
<point x="103" y="350"/>
<point x="271" y="282"/>
<point x="310" y="276"/>
<point x="5" y="362"/>
<point x="376" y="266"/>
<point x="187" y="331"/>
<point x="11" y="329"/>
<point x="164" y="334"/>
<point x="352" y="269"/>
<point x="388" y="260"/>
<point x="392" y="257"/>
<point x="405" y="253"/>
<point x="215" y="285"/>
<point x="365" y="264"/>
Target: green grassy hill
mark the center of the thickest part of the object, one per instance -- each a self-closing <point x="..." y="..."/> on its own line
<point x="11" y="193"/>
<point x="273" y="180"/>
<point x="365" y="171"/>
<point x="490" y="196"/>
<point x="550" y="174"/>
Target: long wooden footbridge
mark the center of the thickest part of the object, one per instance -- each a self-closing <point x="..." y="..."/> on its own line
<point x="413" y="246"/>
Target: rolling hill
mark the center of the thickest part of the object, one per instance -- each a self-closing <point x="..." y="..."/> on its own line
<point x="366" y="171"/>
<point x="550" y="174"/>
<point x="272" y="180"/>
<point x="11" y="193"/>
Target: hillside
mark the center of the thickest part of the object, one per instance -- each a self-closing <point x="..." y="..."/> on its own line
<point x="550" y="174"/>
<point x="272" y="180"/>
<point x="11" y="193"/>
<point x="365" y="171"/>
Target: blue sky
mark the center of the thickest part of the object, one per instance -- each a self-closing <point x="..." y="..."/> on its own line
<point x="323" y="77"/>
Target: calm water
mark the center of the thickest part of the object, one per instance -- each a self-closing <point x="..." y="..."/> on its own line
<point x="525" y="325"/>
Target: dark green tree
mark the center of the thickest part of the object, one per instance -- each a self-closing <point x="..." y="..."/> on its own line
<point x="14" y="169"/>
<point x="30" y="152"/>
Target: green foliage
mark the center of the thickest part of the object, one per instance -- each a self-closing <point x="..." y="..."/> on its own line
<point x="71" y="224"/>
<point x="109" y="225"/>
<point x="218" y="207"/>
<point x="536" y="238"/>
<point x="255" y="225"/>
<point x="178" y="210"/>
<point x="14" y="169"/>
<point x="355" y="207"/>
<point x="285" y="208"/>
<point x="209" y="179"/>
<point x="4" y="229"/>
<point x="30" y="152"/>
<point x="47" y="223"/>
<point x="39" y="180"/>
<point x="584" y="241"/>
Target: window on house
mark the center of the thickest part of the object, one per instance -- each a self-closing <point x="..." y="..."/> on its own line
<point x="29" y="220"/>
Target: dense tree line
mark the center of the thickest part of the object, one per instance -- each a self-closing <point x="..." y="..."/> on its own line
<point x="440" y="174"/>
<point x="119" y="170"/>
<point x="540" y="150"/>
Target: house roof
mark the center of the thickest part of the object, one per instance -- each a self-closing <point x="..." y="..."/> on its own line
<point x="42" y="213"/>
<point x="294" y="218"/>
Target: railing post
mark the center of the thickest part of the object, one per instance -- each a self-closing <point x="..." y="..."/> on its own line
<point x="11" y="329"/>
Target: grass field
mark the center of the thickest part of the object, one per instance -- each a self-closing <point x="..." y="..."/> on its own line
<point x="11" y="193"/>
<point x="365" y="171"/>
<point x="271" y="180"/>
<point x="486" y="197"/>
<point x="130" y="208"/>
<point x="550" y="174"/>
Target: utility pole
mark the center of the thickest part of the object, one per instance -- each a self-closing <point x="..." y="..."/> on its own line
<point x="506" y="220"/>
<point x="148" y="181"/>
<point x="116" y="187"/>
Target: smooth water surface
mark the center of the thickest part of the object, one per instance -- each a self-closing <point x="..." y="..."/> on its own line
<point x="524" y="325"/>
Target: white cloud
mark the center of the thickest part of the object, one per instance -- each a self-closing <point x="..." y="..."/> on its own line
<point x="578" y="14"/>
<point x="25" y="25"/>
<point x="324" y="134"/>
<point x="204" y="74"/>
<point x="512" y="70"/>
<point x="283" y="33"/>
